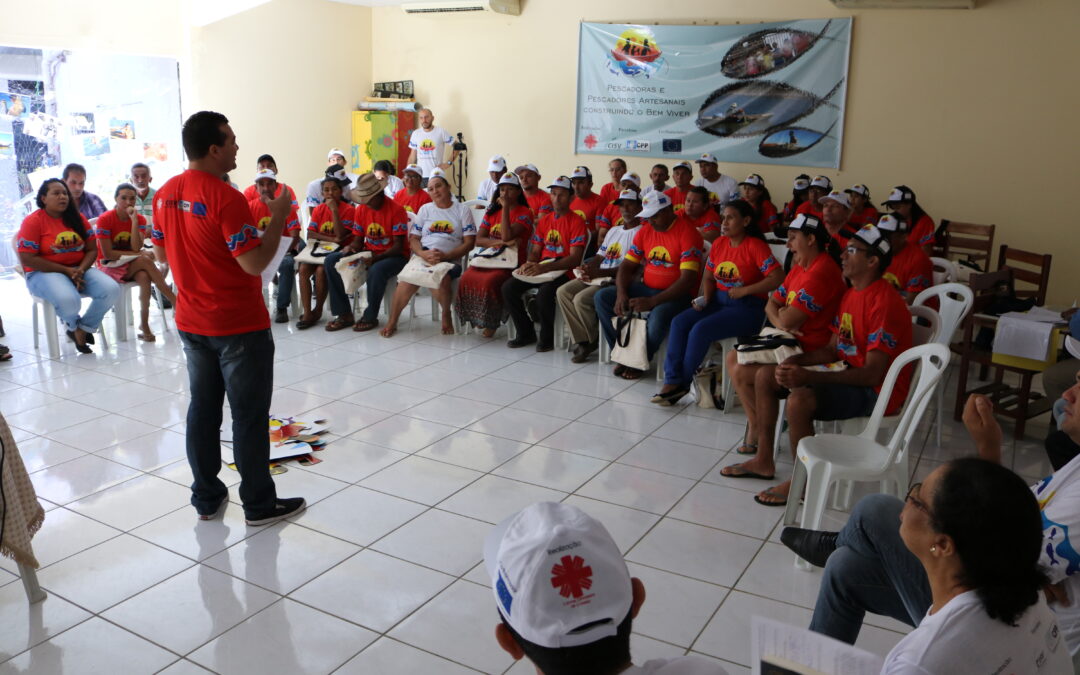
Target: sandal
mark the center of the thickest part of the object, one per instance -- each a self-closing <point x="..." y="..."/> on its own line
<point x="619" y="370"/>
<point x="752" y="446"/>
<point x="773" y="494"/>
<point x="338" y="324"/>
<point x="743" y="472"/>
<point x="303" y="324"/>
<point x="147" y="337"/>
<point x="632" y="374"/>
<point x="363" y="326"/>
<point x="670" y="398"/>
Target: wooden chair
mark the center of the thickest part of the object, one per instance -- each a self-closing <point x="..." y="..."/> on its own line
<point x="1021" y="262"/>
<point x="968" y="241"/>
<point x="1016" y="403"/>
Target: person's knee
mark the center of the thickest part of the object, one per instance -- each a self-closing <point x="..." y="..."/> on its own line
<point x="800" y="405"/>
<point x="108" y="290"/>
<point x="604" y="301"/>
<point x="287" y="265"/>
<point x="878" y="515"/>
<point x="841" y="571"/>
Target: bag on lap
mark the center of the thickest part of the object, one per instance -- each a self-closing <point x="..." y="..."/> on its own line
<point x="419" y="273"/>
<point x="353" y="271"/>
<point x="630" y="348"/>
<point x="771" y="345"/>
<point x="496" y="257"/>
<point x="315" y="251"/>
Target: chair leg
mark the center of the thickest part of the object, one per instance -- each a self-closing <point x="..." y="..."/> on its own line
<point x="120" y="313"/>
<point x="34" y="592"/>
<point x="779" y="437"/>
<point x="50" y="328"/>
<point x="37" y="337"/>
<point x="1022" y="404"/>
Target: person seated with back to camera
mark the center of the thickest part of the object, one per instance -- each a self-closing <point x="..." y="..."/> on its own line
<point x="740" y="273"/>
<point x="444" y="231"/>
<point x="558" y="244"/>
<point x="804" y="305"/>
<point x="872" y="327"/>
<point x="331" y="221"/>
<point x="267" y="188"/>
<point x="507" y="222"/>
<point x="698" y="211"/>
<point x="412" y="196"/>
<point x="966" y="558"/>
<point x="670" y="251"/>
<point x="911" y="271"/>
<point x="121" y="231"/>
<point x="380" y="227"/>
<point x="537" y="561"/>
<point x="576" y="298"/>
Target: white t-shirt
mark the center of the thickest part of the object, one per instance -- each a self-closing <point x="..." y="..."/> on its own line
<point x="682" y="665"/>
<point x="429" y="147"/>
<point x="616" y="244"/>
<point x="720" y="190"/>
<point x="393" y="184"/>
<point x="443" y="229"/>
<point x="487" y="190"/>
<point x="1059" y="499"/>
<point x="962" y="638"/>
<point x="649" y="189"/>
<point x="314" y="189"/>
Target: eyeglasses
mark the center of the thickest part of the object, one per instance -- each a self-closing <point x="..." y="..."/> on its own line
<point x="852" y="250"/>
<point x="915" y="501"/>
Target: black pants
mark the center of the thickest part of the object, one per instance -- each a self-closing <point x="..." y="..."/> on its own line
<point x="513" y="292"/>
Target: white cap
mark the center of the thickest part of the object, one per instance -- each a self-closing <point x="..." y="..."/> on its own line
<point x="708" y="157"/>
<point x="265" y="173"/>
<point x="801" y="184"/>
<point x="581" y="172"/>
<point x="558" y="577"/>
<point x="437" y="173"/>
<point x="496" y="163"/>
<point x="872" y="237"/>
<point x="653" y="204"/>
<point x="821" y="182"/>
<point x="755" y="180"/>
<point x="633" y="178"/>
<point x="807" y="223"/>
<point x="683" y="165"/>
<point x="631" y="195"/>
<point x="859" y="190"/>
<point x="563" y="182"/>
<point x="340" y="176"/>
<point x="890" y="223"/>
<point x="840" y="198"/>
<point x="527" y="167"/>
<point x="415" y="168"/>
<point x="336" y="151"/>
<point x="510" y="179"/>
<point x="899" y="194"/>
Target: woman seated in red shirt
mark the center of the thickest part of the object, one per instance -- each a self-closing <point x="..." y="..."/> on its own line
<point x="479" y="296"/>
<point x="753" y="190"/>
<point x="332" y="222"/>
<point x="805" y="306"/>
<point x="120" y="232"/>
<point x="412" y="196"/>
<point x="862" y="211"/>
<point x="920" y="225"/>
<point x="800" y="192"/>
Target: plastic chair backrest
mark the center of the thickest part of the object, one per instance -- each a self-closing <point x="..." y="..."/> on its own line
<point x="477" y="207"/>
<point x="18" y="263"/>
<point x="954" y="303"/>
<point x="920" y="334"/>
<point x="944" y="270"/>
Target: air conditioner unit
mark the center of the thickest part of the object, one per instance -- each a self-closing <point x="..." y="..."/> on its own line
<point x="508" y="7"/>
<point x="905" y="4"/>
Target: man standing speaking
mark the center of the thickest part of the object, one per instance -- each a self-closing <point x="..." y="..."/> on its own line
<point x="428" y="146"/>
<point x="203" y="228"/>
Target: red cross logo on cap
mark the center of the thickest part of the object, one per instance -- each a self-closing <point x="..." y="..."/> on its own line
<point x="571" y="576"/>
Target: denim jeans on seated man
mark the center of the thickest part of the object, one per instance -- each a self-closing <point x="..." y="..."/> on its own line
<point x="241" y="367"/>
<point x="657" y="323"/>
<point x="378" y="276"/>
<point x="60" y="292"/>
<point x="286" y="274"/>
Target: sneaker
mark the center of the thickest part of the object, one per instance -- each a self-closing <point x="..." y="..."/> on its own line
<point x="281" y="316"/>
<point x="210" y="515"/>
<point x="283" y="508"/>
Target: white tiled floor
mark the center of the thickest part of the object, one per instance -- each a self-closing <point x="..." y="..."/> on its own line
<point x="434" y="439"/>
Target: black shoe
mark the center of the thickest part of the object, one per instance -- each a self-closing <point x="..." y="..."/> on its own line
<point x="282" y="509"/>
<point x="811" y="545"/>
<point x="89" y="338"/>
<point x="544" y="346"/>
<point x="213" y="513"/>
<point x="582" y="351"/>
<point x="281" y="316"/>
<point x="521" y="341"/>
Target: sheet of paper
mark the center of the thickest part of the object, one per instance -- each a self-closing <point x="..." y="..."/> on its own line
<point x="271" y="269"/>
<point x="1040" y="314"/>
<point x="780" y="649"/>
<point x="1022" y="337"/>
<point x="122" y="260"/>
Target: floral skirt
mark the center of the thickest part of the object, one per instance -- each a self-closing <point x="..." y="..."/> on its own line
<point x="479" y="296"/>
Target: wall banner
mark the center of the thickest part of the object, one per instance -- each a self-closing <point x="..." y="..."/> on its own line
<point x="769" y="93"/>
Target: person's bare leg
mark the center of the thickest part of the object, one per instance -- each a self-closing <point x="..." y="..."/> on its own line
<point x="320" y="291"/>
<point x="145" y="264"/>
<point x="402" y="294"/>
<point x="305" y="290"/>
<point x="742" y="378"/>
<point x="142" y="277"/>
<point x="800" y="418"/>
<point x="766" y="407"/>
<point x="444" y="294"/>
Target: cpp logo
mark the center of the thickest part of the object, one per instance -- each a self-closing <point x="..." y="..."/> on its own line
<point x="637" y="146"/>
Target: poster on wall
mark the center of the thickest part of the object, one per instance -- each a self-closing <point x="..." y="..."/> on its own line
<point x="768" y="93"/>
<point x="122" y="129"/>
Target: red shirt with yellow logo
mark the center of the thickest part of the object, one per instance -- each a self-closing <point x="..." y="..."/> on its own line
<point x="735" y="266"/>
<point x="322" y="220"/>
<point x="867" y="216"/>
<point x="540" y="203"/>
<point x="378" y="227"/>
<point x="491" y="227"/>
<point x="589" y="208"/>
<point x="666" y="254"/>
<point x="706" y="222"/>
<point x="109" y="226"/>
<point x="252" y="192"/>
<point x="678" y="198"/>
<point x="816" y="292"/>
<point x="261" y="213"/>
<point x="911" y="270"/>
<point x="609" y="217"/>
<point x="556" y="235"/>
<point x="610" y="192"/>
<point x="52" y="239"/>
<point x="412" y="203"/>
<point x="874" y="318"/>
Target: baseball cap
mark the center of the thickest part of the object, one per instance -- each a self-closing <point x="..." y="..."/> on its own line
<point x="873" y="237"/>
<point x="859" y="190"/>
<point x="558" y="577"/>
<point x="367" y="186"/>
<point x="496" y="163"/>
<point x="336" y="151"/>
<point x="755" y="180"/>
<point x="437" y="173"/>
<point x="510" y="179"/>
<point x="808" y="224"/>
<point x="683" y="165"/>
<point x="708" y="157"/>
<point x="415" y="168"/>
<point x="630" y="195"/>
<point x="821" y="182"/>
<point x="801" y="184"/>
<point x="900" y="193"/>
<point x="582" y="172"/>
<point x="633" y="178"/>
<point x="563" y="182"/>
<point x="840" y="198"/>
<point x="527" y="167"/>
<point x="265" y="173"/>
<point x="890" y="222"/>
<point x="653" y="204"/>
<point x="338" y="174"/>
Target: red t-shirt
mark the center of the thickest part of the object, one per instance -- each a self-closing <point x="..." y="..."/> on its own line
<point x="322" y="220"/>
<point x="52" y="239"/>
<point x="411" y="203"/>
<point x="911" y="270"/>
<point x="261" y="213"/>
<point x="742" y="265"/>
<point x="678" y="198"/>
<point x="706" y="222"/>
<point x="204" y="224"/>
<point x="540" y="203"/>
<point x="558" y="235"/>
<point x="252" y="192"/>
<point x="589" y="208"/>
<point x="659" y="251"/>
<point x="519" y="215"/>
<point x="867" y="216"/>
<point x="609" y="217"/>
<point x="816" y="292"/>
<point x="109" y="226"/>
<point x="874" y="318"/>
<point x="809" y="208"/>
<point x="610" y="192"/>
<point x="379" y="227"/>
<point x="922" y="234"/>
<point x="791" y="210"/>
<point x="767" y="217"/>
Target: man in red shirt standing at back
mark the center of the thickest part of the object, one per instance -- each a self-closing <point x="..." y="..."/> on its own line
<point x="204" y="228"/>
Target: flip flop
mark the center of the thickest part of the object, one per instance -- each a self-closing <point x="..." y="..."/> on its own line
<point x="147" y="337"/>
<point x="672" y="397"/>
<point x="632" y="374"/>
<point x="772" y="493"/>
<point x="619" y="370"/>
<point x="339" y="324"/>
<point x="743" y="473"/>
<point x="753" y="449"/>
<point x="362" y="326"/>
<point x="303" y="324"/>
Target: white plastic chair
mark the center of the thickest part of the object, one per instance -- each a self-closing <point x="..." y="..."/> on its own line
<point x="944" y="271"/>
<point x="825" y="458"/>
<point x="477" y="207"/>
<point x="954" y="303"/>
<point x="124" y="310"/>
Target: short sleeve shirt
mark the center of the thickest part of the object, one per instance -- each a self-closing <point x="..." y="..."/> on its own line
<point x="611" y="216"/>
<point x="52" y="239"/>
<point x="816" y="292"/>
<point x="616" y="245"/>
<point x="540" y="203"/>
<point x="378" y="228"/>
<point x="790" y="210"/>
<point x="145" y="205"/>
<point x="412" y="203"/>
<point x="875" y="317"/>
<point x="610" y="192"/>
<point x="261" y="213"/>
<point x="204" y="225"/>
<point x="443" y="229"/>
<point x="1059" y="499"/>
<point x="322" y="219"/>
<point x="810" y="209"/>
<point x="767" y="218"/>
<point x="678" y="198"/>
<point x="588" y="209"/>
<point x="922" y="233"/>
<point x="118" y="232"/>
<point x="430" y="147"/>
<point x="252" y="192"/>
<point x="556" y="235"/>
<point x="742" y="265"/>
<point x="706" y="222"/>
<point x="666" y="254"/>
<point x="519" y="215"/>
<point x="720" y="190"/>
<point x="867" y="216"/>
<point x="911" y="270"/>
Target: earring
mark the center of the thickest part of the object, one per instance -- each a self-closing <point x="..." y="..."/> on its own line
<point x="933" y="549"/>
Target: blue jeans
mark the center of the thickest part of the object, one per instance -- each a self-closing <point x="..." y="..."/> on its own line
<point x="241" y="366"/>
<point x="656" y="324"/>
<point x="693" y="332"/>
<point x="286" y="275"/>
<point x="870" y="571"/>
<point x="60" y="292"/>
<point x="378" y="276"/>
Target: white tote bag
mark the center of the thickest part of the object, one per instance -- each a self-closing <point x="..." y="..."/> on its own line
<point x="630" y="348"/>
<point x="771" y="345"/>
<point x="315" y="252"/>
<point x="353" y="271"/>
<point x="496" y="257"/>
<point x="419" y="273"/>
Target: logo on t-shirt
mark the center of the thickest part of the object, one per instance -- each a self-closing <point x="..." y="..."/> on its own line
<point x="376" y="235"/>
<point x="442" y="227"/>
<point x="807" y="300"/>
<point x="427" y="145"/>
<point x="264" y="221"/>
<point x="553" y="240"/>
<point x="659" y="256"/>
<point x="613" y="252"/>
<point x="581" y="214"/>
<point x="727" y="273"/>
<point x="891" y="278"/>
<point x="679" y="207"/>
<point x="327" y="227"/>
<point x="67" y="242"/>
<point x="845" y="341"/>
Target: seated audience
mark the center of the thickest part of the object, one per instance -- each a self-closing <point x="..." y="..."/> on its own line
<point x="384" y="171"/>
<point x="1059" y="377"/>
<point x="267" y="187"/>
<point x="490" y="186"/>
<point x="558" y="243"/>
<point x="412" y="196"/>
<point x="699" y="212"/>
<point x="576" y="297"/>
<point x="144" y="194"/>
<point x="51" y="243"/>
<point x="611" y="191"/>
<point x="586" y="203"/>
<point x="862" y="211"/>
<point x="720" y="187"/>
<point x="267" y="163"/>
<point x="800" y="193"/>
<point x="539" y="200"/>
<point x="611" y="216"/>
<point x="819" y="187"/>
<point x="379" y="226"/>
<point x="742" y="272"/>
<point x="920" y="225"/>
<point x="121" y="231"/>
<point x="670" y="251"/>
<point x="755" y="193"/>
<point x="529" y="558"/>
<point x="443" y="231"/>
<point x="331" y="221"/>
<point x="683" y="175"/>
<point x="836" y="214"/>
<point x="804" y="305"/>
<point x="872" y="327"/>
<point x="911" y="271"/>
<point x="88" y="203"/>
<point x="479" y="295"/>
<point x="335" y="161"/>
<point x="658" y="178"/>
